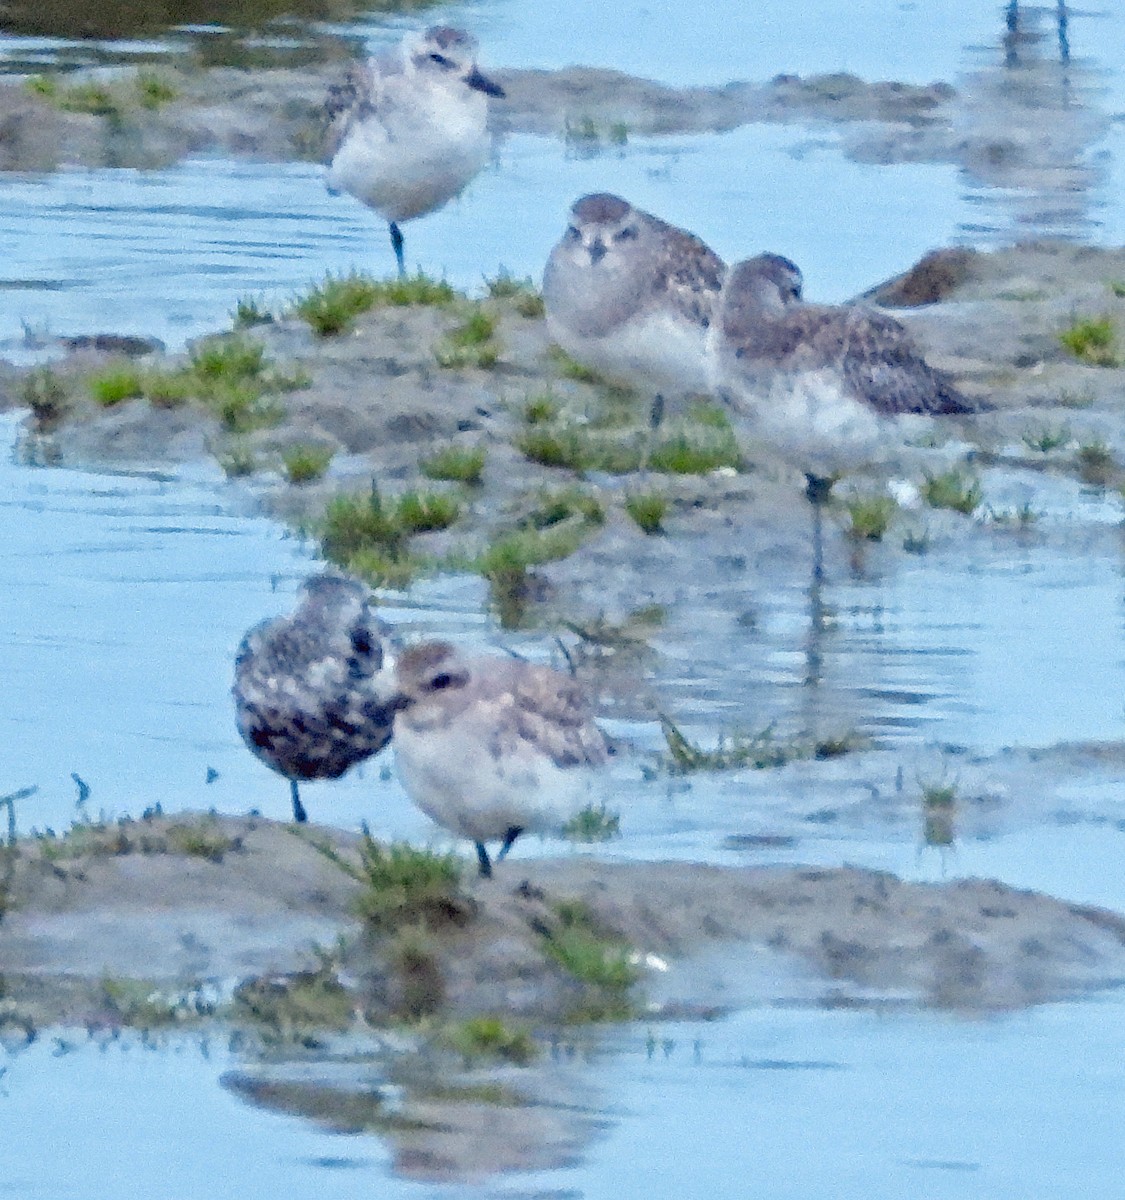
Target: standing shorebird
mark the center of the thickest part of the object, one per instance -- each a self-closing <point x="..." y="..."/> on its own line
<point x="410" y="131"/>
<point x="633" y="297"/>
<point x="830" y="388"/>
<point x="491" y="747"/>
<point x="304" y="685"/>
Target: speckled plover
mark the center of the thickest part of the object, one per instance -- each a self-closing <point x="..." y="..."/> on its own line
<point x="491" y="747"/>
<point x="830" y="388"/>
<point x="304" y="697"/>
<point x="410" y="131"/>
<point x="633" y="297"/>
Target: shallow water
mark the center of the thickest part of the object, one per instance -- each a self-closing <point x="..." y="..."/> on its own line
<point x="221" y="231"/>
<point x="126" y="596"/>
<point x="806" y="1102"/>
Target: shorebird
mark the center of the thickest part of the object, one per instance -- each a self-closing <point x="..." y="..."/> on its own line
<point x="303" y="685"/>
<point x="409" y="131"/>
<point x="491" y="747"/>
<point x="633" y="297"/>
<point x="831" y="388"/>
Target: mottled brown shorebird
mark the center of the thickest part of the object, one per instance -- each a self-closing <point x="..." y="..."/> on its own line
<point x="491" y="747"/>
<point x="830" y="388"/>
<point x="633" y="297"/>
<point x="304" y="694"/>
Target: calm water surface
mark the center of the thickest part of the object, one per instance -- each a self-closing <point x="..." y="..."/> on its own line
<point x="126" y="595"/>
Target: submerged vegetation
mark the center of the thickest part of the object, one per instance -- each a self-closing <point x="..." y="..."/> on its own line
<point x="757" y="751"/>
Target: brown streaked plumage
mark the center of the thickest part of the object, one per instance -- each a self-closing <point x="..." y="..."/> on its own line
<point x="823" y="384"/>
<point x="491" y="747"/>
<point x="305" y="700"/>
<point x="632" y="296"/>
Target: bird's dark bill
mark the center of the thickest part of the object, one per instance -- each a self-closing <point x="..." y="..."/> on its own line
<point x="483" y="84"/>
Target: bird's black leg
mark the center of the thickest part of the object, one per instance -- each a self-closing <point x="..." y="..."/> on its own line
<point x="817" y="488"/>
<point x="396" y="242"/>
<point x="509" y="838"/>
<point x="482" y="858"/>
<point x="299" y="814"/>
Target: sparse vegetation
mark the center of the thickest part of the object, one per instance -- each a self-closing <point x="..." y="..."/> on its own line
<point x="541" y="409"/>
<point x="869" y="517"/>
<point x="1022" y="517"/>
<point x="916" y="541"/>
<point x="1096" y="464"/>
<point x="305" y="462"/>
<point x="1044" y="439"/>
<point x="594" y="823"/>
<point x="203" y="838"/>
<point x="648" y="510"/>
<point x="603" y="963"/>
<point x="290" y="1005"/>
<point x="456" y="464"/>
<point x="757" y="751"/>
<point x="939" y="812"/>
<point x="115" y="383"/>
<point x="238" y="460"/>
<point x="490" y="1038"/>
<point x="45" y="393"/>
<point x="370" y="536"/>
<point x="1093" y="340"/>
<point x="332" y="306"/>
<point x="472" y="343"/>
<point x="405" y="886"/>
<point x="249" y="311"/>
<point x="571" y="368"/>
<point x="953" y="489"/>
<point x="523" y="294"/>
<point x="153" y="90"/>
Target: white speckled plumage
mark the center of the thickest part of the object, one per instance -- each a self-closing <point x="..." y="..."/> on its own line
<point x="491" y="747"/>
<point x="305" y="700"/>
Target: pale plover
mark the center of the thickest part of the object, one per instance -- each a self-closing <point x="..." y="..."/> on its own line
<point x="633" y="297"/>
<point x="303" y="685"/>
<point x="491" y="747"/>
<point x="830" y="388"/>
<point x="410" y="131"/>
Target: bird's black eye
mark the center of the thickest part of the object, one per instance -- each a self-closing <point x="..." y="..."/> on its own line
<point x="441" y="681"/>
<point x="572" y="234"/>
<point x="626" y="234"/>
<point x="441" y="60"/>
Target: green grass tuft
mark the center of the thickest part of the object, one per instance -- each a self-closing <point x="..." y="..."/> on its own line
<point x="1044" y="439"/>
<point x="522" y="293"/>
<point x="602" y="962"/>
<point x="456" y="464"/>
<point x="953" y="489"/>
<point x="869" y="517"/>
<point x="1096" y="464"/>
<point x="426" y="512"/>
<point x="405" y="886"/>
<point x="471" y="344"/>
<point x="1093" y="340"/>
<point x="249" y="311"/>
<point x="648" y="510"/>
<point x="115" y="383"/>
<point x="331" y="307"/>
<point x="306" y="462"/>
<point x="490" y="1038"/>
<point x="153" y="90"/>
<point x="594" y="823"/>
<point x="44" y="392"/>
<point x="757" y="751"/>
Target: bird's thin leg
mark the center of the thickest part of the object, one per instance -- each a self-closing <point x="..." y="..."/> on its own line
<point x="655" y="420"/>
<point x="299" y="814"/>
<point x="482" y="858"/>
<point x="817" y="488"/>
<point x="509" y="838"/>
<point x="396" y="243"/>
